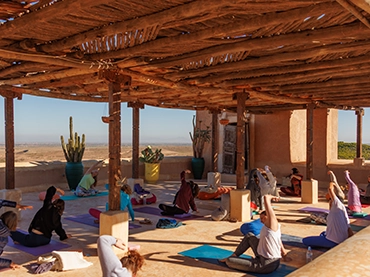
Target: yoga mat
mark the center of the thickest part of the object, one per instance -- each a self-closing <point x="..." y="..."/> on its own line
<point x="89" y="220"/>
<point x="313" y="210"/>
<point x="74" y="197"/>
<point x="212" y="254"/>
<point x="156" y="211"/>
<point x="39" y="250"/>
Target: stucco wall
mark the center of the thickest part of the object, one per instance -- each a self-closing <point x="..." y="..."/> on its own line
<point x="279" y="140"/>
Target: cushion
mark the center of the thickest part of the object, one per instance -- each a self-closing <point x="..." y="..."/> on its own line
<point x="254" y="227"/>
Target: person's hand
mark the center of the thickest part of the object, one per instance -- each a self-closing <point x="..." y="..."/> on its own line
<point x="119" y="244"/>
<point x="23" y="207"/>
<point x="329" y="172"/>
<point x="69" y="236"/>
<point x="272" y="197"/>
<point x="286" y="258"/>
<point x="14" y="266"/>
<point x="196" y="211"/>
<point x="187" y="171"/>
<point x="60" y="191"/>
<point x="346" y="171"/>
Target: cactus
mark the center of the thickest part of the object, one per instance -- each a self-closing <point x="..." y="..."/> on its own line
<point x="199" y="138"/>
<point x="74" y="149"/>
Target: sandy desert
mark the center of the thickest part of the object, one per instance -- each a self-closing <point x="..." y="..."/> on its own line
<point x="54" y="152"/>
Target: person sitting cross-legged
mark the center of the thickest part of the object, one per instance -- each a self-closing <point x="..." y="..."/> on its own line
<point x="268" y="249"/>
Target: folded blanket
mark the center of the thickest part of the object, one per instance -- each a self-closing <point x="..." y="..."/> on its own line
<point x="71" y="260"/>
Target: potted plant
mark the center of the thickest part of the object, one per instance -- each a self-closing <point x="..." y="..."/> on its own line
<point x="199" y="137"/>
<point x="151" y="158"/>
<point x="73" y="152"/>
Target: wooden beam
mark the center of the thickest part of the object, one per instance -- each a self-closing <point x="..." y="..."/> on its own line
<point x="363" y="4"/>
<point x="238" y="26"/>
<point x="240" y="140"/>
<point x="9" y="143"/>
<point x="360" y="113"/>
<point x="309" y="142"/>
<point x="45" y="14"/>
<point x="192" y="9"/>
<point x="276" y="59"/>
<point x="354" y="11"/>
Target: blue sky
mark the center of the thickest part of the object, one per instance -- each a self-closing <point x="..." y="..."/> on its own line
<point x="43" y="120"/>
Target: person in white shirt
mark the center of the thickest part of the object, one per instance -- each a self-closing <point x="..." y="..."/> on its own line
<point x="338" y="228"/>
<point x="268" y="249"/>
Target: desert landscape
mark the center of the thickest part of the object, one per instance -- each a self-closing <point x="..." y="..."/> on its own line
<point x="54" y="152"/>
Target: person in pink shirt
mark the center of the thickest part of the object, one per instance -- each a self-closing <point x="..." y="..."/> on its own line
<point x="353" y="195"/>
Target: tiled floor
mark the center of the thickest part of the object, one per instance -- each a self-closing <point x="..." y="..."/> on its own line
<point x="160" y="247"/>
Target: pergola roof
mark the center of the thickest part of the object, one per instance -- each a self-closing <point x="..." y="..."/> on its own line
<point x="190" y="54"/>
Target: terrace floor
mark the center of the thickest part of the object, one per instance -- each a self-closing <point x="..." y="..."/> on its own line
<point x="160" y="247"/>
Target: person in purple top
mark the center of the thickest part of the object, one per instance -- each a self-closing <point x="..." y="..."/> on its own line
<point x="184" y="198"/>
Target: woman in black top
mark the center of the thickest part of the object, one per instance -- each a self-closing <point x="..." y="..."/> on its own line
<point x="46" y="220"/>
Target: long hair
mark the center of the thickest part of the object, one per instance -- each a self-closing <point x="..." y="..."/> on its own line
<point x="194" y="188"/>
<point x="59" y="205"/>
<point x="133" y="261"/>
<point x="10" y="220"/>
<point x="126" y="189"/>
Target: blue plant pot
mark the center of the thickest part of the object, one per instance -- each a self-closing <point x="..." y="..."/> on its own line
<point x="197" y="166"/>
<point x="74" y="173"/>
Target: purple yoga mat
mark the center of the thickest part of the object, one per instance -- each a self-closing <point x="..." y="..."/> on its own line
<point x="156" y="211"/>
<point x="40" y="250"/>
<point x="89" y="220"/>
<point x="313" y="210"/>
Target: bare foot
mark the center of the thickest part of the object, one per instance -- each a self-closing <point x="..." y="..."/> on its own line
<point x="222" y="260"/>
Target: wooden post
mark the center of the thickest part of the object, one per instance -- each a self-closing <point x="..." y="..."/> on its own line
<point x="135" y="136"/>
<point x="115" y="80"/>
<point x="215" y="140"/>
<point x="309" y="142"/>
<point x="9" y="143"/>
<point x="360" y="113"/>
<point x="240" y="139"/>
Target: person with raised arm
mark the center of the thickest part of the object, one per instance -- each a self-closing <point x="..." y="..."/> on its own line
<point x="268" y="249"/>
<point x="338" y="228"/>
<point x="88" y="183"/>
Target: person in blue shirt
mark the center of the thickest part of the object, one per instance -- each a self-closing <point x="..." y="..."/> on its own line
<point x="125" y="202"/>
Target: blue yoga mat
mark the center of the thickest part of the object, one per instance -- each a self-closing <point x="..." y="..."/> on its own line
<point x="74" y="197"/>
<point x="212" y="254"/>
<point x="89" y="220"/>
<point x="39" y="250"/>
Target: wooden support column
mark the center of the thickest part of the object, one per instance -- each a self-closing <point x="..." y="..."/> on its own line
<point x="9" y="143"/>
<point x="240" y="139"/>
<point x="360" y="113"/>
<point x="135" y="136"/>
<point x="115" y="80"/>
<point x="309" y="142"/>
<point x="215" y="140"/>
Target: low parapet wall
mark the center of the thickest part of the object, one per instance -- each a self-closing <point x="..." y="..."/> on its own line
<point x="350" y="258"/>
<point x="31" y="176"/>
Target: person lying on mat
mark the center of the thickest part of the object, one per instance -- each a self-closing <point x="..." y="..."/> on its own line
<point x="86" y="186"/>
<point x="268" y="249"/>
<point x="8" y="222"/>
<point x="295" y="180"/>
<point x="127" y="266"/>
<point x="46" y="220"/>
<point x="184" y="198"/>
<point x="13" y="204"/>
<point x="124" y="203"/>
<point x="338" y="228"/>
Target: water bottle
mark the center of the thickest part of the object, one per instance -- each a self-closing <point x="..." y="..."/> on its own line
<point x="309" y="255"/>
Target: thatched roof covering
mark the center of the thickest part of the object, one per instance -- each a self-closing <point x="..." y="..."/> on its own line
<point x="190" y="54"/>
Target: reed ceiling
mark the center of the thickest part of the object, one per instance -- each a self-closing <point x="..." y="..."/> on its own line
<point x="190" y="54"/>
